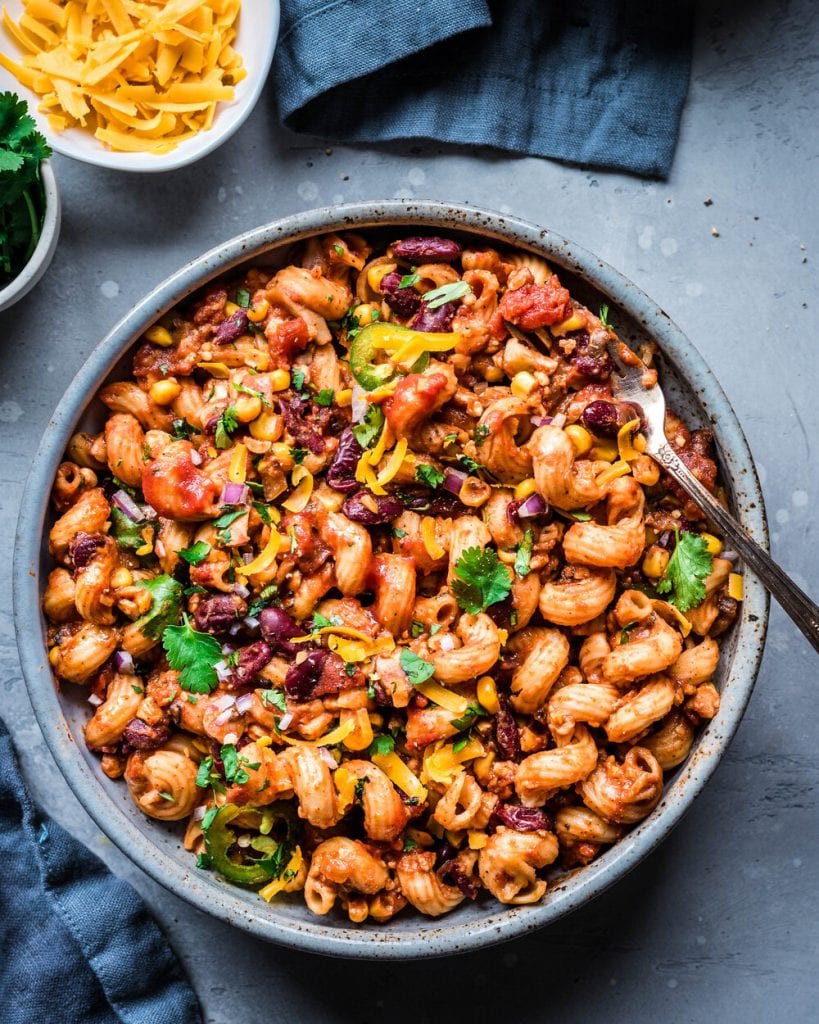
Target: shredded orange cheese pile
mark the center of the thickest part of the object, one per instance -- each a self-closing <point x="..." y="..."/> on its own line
<point x="143" y="76"/>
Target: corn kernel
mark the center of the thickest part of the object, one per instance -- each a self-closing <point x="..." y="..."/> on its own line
<point x="247" y="407"/>
<point x="258" y="311"/>
<point x="54" y="657"/>
<point x="605" y="451"/>
<point x="477" y="840"/>
<point x="231" y="308"/>
<point x="121" y="577"/>
<point x="281" y="451"/>
<point x="525" y="488"/>
<point x="487" y="694"/>
<point x="266" y="427"/>
<point x="279" y="380"/>
<point x="493" y="374"/>
<point x="260" y="361"/>
<point x="580" y="438"/>
<point x="163" y="392"/>
<point x="344" y="398"/>
<point x="712" y="543"/>
<point x="159" y="336"/>
<point x="655" y="561"/>
<point x="146" y="549"/>
<point x="574" y="323"/>
<point x="364" y="314"/>
<point x="523" y="384"/>
<point x="376" y="274"/>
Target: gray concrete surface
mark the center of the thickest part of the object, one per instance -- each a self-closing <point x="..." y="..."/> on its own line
<point x="721" y="922"/>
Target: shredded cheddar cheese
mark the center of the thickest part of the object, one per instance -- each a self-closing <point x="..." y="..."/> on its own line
<point x="142" y="75"/>
<point x="394" y="462"/>
<point x="302" y="480"/>
<point x="624" y="443"/>
<point x="399" y="774"/>
<point x="434" y="549"/>
<point x="735" y="586"/>
<point x="265" y="558"/>
<point x="238" y="465"/>
<point x="337" y="735"/>
<point x="275" y="887"/>
<point x="444" y="698"/>
<point x="620" y="468"/>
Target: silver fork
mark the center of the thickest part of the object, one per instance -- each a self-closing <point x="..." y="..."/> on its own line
<point x="628" y="386"/>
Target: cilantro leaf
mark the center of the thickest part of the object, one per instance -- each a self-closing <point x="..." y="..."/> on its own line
<point x="480" y="434"/>
<point x="324" y="397"/>
<point x="430" y="476"/>
<point x="266" y="595"/>
<point x="297" y="455"/>
<point x="468" y="718"/>
<point x="127" y="533"/>
<point x="604" y="317"/>
<point x="686" y="571"/>
<point x="226" y="518"/>
<point x="382" y="745"/>
<point x="408" y="280"/>
<point x="417" y="670"/>
<point x="182" y="430"/>
<point x="297" y="379"/>
<point x="234" y="772"/>
<point x="338" y="250"/>
<point x="196" y="553"/>
<point x="322" y="622"/>
<point x="446" y="293"/>
<point x="193" y="655"/>
<point x="409" y="844"/>
<point x="225" y="425"/>
<point x="166" y="601"/>
<point x="469" y="464"/>
<point x="274" y="699"/>
<point x="22" y="199"/>
<point x="482" y="580"/>
<point x="242" y="298"/>
<point x="368" y="431"/>
<point x="523" y="557"/>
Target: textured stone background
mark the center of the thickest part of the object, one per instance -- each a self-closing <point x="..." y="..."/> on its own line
<point x="720" y="923"/>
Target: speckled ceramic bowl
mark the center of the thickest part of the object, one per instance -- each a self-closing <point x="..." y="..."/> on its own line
<point x="692" y="389"/>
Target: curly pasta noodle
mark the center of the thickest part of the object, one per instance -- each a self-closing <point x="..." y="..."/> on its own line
<point x="357" y="596"/>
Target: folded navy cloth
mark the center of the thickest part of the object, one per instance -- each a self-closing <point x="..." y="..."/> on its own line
<point x="77" y="945"/>
<point x="599" y="82"/>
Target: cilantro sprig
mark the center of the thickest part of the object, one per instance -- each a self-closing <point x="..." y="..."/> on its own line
<point x="166" y="601"/>
<point x="225" y="425"/>
<point x="193" y="655"/>
<point x="446" y="293"/>
<point x="482" y="580"/>
<point x="22" y="198"/>
<point x="417" y="669"/>
<point x="430" y="476"/>
<point x="686" y="572"/>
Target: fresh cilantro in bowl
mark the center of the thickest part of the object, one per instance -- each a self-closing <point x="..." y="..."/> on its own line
<point x="22" y="197"/>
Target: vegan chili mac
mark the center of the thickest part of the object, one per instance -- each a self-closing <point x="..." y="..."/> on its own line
<point x="371" y="582"/>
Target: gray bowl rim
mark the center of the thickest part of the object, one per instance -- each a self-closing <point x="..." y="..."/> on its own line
<point x="423" y="937"/>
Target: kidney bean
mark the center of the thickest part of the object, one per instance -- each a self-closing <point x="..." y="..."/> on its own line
<point x="507" y="736"/>
<point x="601" y="417"/>
<point x="83" y="548"/>
<point x="522" y="819"/>
<point x="436" y="503"/>
<point x="389" y="508"/>
<point x="433" y="247"/>
<point x="252" y="659"/>
<point x="341" y="471"/>
<point x="215" y="615"/>
<point x="278" y="628"/>
<point x="402" y="301"/>
<point x="434" y="320"/>
<point x="306" y="421"/>
<point x="138" y="735"/>
<point x="301" y="680"/>
<point x="453" y="874"/>
<point x="232" y="328"/>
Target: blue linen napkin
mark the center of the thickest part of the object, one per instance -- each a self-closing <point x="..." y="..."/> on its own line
<point x="599" y="82"/>
<point x="77" y="945"/>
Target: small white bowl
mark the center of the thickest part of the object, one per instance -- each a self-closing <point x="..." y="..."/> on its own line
<point x="255" y="41"/>
<point x="44" y="250"/>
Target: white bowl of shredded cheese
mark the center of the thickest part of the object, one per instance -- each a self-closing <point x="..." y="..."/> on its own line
<point x="159" y="83"/>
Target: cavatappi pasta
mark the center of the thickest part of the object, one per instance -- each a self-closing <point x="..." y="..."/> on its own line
<point x="371" y="582"/>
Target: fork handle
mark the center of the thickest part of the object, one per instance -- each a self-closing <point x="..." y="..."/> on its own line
<point x="794" y="601"/>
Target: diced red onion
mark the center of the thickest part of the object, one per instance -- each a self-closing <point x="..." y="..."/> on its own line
<point x="559" y="420"/>
<point x="196" y="458"/>
<point x="159" y="548"/>
<point x="251" y="622"/>
<point x="454" y="479"/>
<point x="541" y="421"/>
<point x="241" y="589"/>
<point x="231" y="737"/>
<point x="148" y="511"/>
<point x="731" y="556"/>
<point x="244" y="841"/>
<point x="235" y="629"/>
<point x="359" y="404"/>
<point x="199" y="812"/>
<point x="244" y="703"/>
<point x="224" y="717"/>
<point x="95" y="699"/>
<point x="448" y="642"/>
<point x="248" y="557"/>
<point x="223" y="672"/>
<point x="234" y="494"/>
<point x="123" y="662"/>
<point x="285" y="720"/>
<point x="328" y="758"/>
<point x="227" y="649"/>
<point x="126" y="504"/>
<point x="534" y="505"/>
